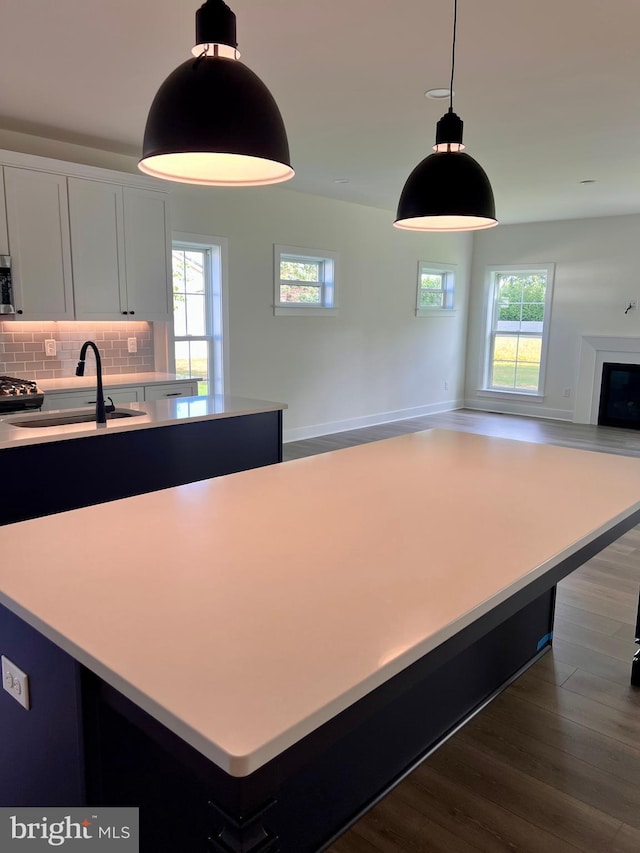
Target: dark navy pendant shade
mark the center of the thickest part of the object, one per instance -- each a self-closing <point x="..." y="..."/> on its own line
<point x="213" y="121"/>
<point x="209" y="120"/>
<point x="447" y="191"/>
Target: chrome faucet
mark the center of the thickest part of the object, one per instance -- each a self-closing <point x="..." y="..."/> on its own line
<point x="101" y="411"/>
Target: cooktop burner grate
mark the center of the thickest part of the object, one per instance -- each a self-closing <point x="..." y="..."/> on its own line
<point x="16" y="394"/>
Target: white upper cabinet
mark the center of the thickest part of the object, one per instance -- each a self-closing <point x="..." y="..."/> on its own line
<point x="38" y="229"/>
<point x="97" y="250"/>
<point x="85" y="243"/>
<point x="4" y="235"/>
<point x="120" y="248"/>
<point x="148" y="254"/>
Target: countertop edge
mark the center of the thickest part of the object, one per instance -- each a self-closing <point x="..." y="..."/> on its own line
<point x="151" y="419"/>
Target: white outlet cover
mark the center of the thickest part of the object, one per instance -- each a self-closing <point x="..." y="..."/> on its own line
<point x="132" y="345"/>
<point x="15" y="682"/>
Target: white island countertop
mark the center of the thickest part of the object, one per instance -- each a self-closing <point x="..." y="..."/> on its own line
<point x="283" y="594"/>
<point x="152" y="413"/>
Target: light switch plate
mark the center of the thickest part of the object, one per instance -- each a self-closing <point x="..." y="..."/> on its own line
<point x="15" y="682"/>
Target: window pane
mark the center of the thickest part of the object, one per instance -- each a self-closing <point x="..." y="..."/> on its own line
<point x="200" y="364"/>
<point x="430" y="300"/>
<point x="535" y="288"/>
<point x="182" y="359"/>
<point x="196" y="320"/>
<point x="530" y="350"/>
<point x="508" y="311"/>
<point x="177" y="257"/>
<point x="431" y="281"/>
<point x="527" y="376"/>
<point x="509" y="288"/>
<point x="304" y="294"/>
<point x="194" y="271"/>
<point x="503" y="374"/>
<point x="192" y="359"/>
<point x="505" y="348"/>
<point x="516" y="362"/>
<point x="300" y="270"/>
<point x="179" y="315"/>
<point x="532" y="317"/>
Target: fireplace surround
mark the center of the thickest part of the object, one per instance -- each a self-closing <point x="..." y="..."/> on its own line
<point x="596" y="350"/>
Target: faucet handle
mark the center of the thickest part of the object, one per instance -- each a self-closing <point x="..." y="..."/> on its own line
<point x="110" y="407"/>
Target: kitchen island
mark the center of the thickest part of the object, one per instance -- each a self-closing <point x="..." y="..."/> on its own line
<point x="264" y="654"/>
<point x="165" y="443"/>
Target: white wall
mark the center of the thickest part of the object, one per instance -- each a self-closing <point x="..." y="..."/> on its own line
<point x="375" y="361"/>
<point x="595" y="276"/>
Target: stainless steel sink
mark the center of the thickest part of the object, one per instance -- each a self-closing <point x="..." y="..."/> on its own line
<point x="46" y="419"/>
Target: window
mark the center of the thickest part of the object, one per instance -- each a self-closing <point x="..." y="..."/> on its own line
<point x="519" y="309"/>
<point x="436" y="285"/>
<point x="198" y="311"/>
<point x="304" y="281"/>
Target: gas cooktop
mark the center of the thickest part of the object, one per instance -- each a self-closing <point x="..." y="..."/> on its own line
<point x="16" y="395"/>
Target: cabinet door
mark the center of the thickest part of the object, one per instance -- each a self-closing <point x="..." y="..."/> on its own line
<point x="80" y="399"/>
<point x="147" y="253"/>
<point x="97" y="246"/>
<point x="4" y="236"/>
<point x="38" y="225"/>
<point x="173" y="389"/>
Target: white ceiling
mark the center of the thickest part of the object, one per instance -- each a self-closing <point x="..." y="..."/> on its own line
<point x="549" y="90"/>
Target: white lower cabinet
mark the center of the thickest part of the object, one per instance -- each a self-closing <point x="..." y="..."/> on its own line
<point x="173" y="389"/>
<point x="78" y="399"/>
<point x="120" y="395"/>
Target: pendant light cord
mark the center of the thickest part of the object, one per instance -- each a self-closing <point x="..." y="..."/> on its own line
<point x="453" y="53"/>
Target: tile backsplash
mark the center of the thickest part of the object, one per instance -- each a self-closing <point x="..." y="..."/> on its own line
<point x="22" y="350"/>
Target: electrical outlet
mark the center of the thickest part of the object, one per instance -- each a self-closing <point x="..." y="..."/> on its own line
<point x="50" y="347"/>
<point x="132" y="345"/>
<point x="15" y="682"/>
<point x="633" y="304"/>
<point x="446" y="385"/>
<point x="566" y="392"/>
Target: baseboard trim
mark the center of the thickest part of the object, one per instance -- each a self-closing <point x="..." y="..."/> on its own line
<point x="528" y="410"/>
<point x="316" y="430"/>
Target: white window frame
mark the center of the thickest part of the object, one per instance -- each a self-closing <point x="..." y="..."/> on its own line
<point x="490" y="302"/>
<point x="448" y="274"/>
<point x="216" y="302"/>
<point x="328" y="306"/>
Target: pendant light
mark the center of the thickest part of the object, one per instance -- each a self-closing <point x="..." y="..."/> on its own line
<point x="213" y="121"/>
<point x="448" y="190"/>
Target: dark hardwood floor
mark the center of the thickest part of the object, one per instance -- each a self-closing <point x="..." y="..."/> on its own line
<point x="553" y="764"/>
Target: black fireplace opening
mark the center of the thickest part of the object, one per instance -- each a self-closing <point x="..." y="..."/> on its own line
<point x="620" y="396"/>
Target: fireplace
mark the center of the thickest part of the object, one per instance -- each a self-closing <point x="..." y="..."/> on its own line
<point x="620" y="395"/>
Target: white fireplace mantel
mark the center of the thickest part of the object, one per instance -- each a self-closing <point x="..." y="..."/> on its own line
<point x="595" y="350"/>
